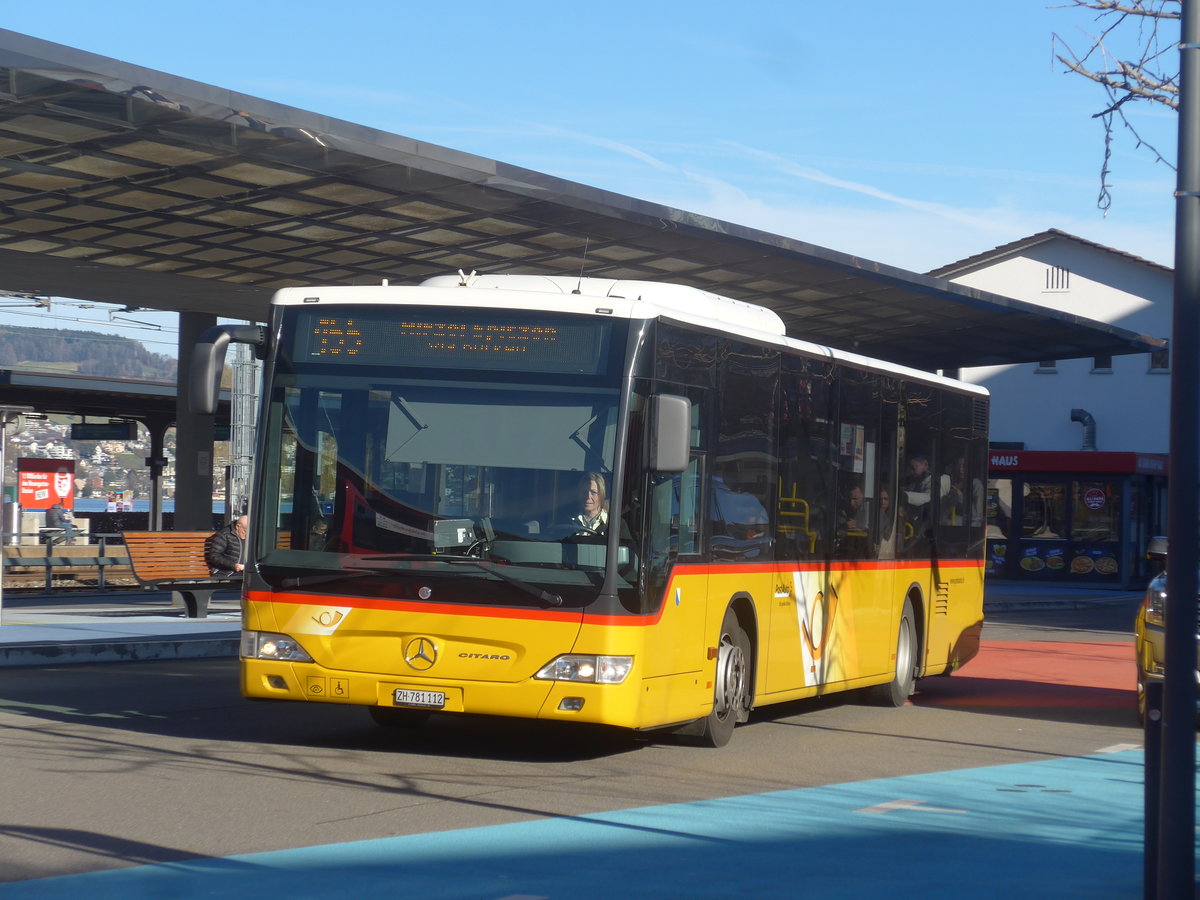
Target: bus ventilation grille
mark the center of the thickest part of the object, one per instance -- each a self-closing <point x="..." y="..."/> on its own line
<point x="941" y="600"/>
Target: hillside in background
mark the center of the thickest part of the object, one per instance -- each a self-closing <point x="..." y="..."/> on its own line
<point x="81" y="353"/>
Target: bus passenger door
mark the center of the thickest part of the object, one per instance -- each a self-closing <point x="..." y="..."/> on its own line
<point x="675" y="582"/>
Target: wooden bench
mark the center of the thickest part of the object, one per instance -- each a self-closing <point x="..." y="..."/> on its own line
<point x="174" y="561"/>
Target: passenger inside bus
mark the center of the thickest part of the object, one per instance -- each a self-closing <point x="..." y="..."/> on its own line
<point x="918" y="494"/>
<point x="887" y="526"/>
<point x="852" y="524"/>
<point x="852" y="517"/>
<point x="918" y="485"/>
<point x="963" y="502"/>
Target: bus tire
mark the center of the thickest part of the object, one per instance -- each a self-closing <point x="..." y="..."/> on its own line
<point x="897" y="691"/>
<point x="731" y="685"/>
<point x="398" y="716"/>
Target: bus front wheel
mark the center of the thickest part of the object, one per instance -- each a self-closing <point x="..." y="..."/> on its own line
<point x="731" y="686"/>
<point x="897" y="691"/>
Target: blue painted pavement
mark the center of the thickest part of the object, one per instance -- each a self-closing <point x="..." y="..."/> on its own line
<point x="1056" y="828"/>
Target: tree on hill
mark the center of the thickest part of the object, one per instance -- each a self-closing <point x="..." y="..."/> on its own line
<point x="84" y="352"/>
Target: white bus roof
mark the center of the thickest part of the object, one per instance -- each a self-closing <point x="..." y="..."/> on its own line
<point x="623" y="299"/>
<point x="692" y="302"/>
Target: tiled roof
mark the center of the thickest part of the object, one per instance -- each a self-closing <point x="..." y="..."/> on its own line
<point x="1014" y="247"/>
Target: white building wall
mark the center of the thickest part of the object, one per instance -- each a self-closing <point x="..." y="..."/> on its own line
<point x="1130" y="402"/>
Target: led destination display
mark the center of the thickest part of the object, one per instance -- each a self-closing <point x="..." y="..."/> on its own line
<point x="467" y="339"/>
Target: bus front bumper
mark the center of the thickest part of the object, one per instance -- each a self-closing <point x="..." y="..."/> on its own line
<point x="603" y="704"/>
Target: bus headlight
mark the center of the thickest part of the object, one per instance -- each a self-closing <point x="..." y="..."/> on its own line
<point x="266" y="645"/>
<point x="591" y="669"/>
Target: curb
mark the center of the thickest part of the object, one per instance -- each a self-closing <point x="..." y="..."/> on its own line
<point x="120" y="650"/>
<point x="1033" y="604"/>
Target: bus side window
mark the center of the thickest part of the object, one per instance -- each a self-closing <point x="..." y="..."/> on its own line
<point x="806" y="460"/>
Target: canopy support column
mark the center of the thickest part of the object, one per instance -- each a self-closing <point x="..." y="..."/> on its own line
<point x="193" y="437"/>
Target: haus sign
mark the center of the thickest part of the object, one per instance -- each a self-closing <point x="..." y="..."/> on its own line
<point x="1076" y="462"/>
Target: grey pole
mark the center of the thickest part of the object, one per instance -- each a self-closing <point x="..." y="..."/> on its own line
<point x="7" y="414"/>
<point x="193" y="438"/>
<point x="1177" y="816"/>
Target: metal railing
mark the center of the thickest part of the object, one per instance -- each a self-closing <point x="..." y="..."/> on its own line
<point x="52" y="558"/>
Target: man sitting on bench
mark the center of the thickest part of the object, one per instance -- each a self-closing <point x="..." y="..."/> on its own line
<point x="223" y="549"/>
<point x="61" y="519"/>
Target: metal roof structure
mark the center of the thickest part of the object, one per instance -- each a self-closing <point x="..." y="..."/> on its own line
<point x="88" y="395"/>
<point x="132" y="186"/>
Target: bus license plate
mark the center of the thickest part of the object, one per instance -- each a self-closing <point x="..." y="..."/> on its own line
<point x="430" y="699"/>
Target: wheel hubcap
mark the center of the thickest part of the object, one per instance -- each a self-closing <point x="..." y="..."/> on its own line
<point x="731" y="677"/>
<point x="904" y="654"/>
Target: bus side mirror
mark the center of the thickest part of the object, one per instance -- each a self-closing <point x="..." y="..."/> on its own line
<point x="670" y="438"/>
<point x="1156" y="548"/>
<point x="208" y="359"/>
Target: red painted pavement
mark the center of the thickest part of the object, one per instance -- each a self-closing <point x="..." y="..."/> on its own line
<point x="1039" y="673"/>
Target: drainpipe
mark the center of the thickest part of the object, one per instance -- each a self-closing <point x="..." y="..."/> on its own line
<point x="1085" y="418"/>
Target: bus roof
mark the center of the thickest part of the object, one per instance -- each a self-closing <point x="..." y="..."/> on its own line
<point x="690" y="301"/>
<point x="622" y="298"/>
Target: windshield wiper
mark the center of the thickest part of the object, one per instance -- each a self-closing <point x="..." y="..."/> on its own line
<point x="491" y="568"/>
<point x="345" y="575"/>
<point x="532" y="589"/>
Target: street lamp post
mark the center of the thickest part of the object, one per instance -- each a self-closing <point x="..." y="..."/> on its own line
<point x="1175" y="832"/>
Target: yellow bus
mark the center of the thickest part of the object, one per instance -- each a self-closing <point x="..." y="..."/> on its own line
<point x="585" y="500"/>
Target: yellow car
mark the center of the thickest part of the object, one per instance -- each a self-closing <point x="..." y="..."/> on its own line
<point x="1149" y="636"/>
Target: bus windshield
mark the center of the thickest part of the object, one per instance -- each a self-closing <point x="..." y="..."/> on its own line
<point x="486" y="471"/>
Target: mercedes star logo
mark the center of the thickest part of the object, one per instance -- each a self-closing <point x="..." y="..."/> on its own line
<point x="420" y="653"/>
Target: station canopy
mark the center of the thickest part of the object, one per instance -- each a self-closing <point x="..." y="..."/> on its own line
<point x="127" y="185"/>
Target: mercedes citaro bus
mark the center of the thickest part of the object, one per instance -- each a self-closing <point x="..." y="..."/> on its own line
<point x="585" y="500"/>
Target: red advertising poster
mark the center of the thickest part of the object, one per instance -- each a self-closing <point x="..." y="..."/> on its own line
<point x="43" y="482"/>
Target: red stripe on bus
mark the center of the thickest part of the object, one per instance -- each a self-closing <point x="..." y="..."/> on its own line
<point x="455" y="609"/>
<point x="552" y="615"/>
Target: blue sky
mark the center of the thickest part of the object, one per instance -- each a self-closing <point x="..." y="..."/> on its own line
<point x="910" y="133"/>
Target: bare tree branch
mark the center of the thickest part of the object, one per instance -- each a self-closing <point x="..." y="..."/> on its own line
<point x="1147" y="73"/>
<point x="1132" y="8"/>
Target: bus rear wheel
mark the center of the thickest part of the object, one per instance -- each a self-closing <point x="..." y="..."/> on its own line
<point x="897" y="691"/>
<point x="731" y="686"/>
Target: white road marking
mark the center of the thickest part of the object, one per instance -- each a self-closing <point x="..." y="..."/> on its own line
<point x="1119" y="748"/>
<point x="892" y="805"/>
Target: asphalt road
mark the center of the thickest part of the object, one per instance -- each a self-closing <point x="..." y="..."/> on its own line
<point x="1111" y="621"/>
<point x="109" y="766"/>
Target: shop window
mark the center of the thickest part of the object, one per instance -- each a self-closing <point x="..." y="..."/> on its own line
<point x="999" y="508"/>
<point x="1102" y="365"/>
<point x="1044" y="511"/>
<point x="1096" y="512"/>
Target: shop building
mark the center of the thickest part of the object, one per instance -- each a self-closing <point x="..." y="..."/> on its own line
<point x="1073" y="517"/>
<point x="1078" y="461"/>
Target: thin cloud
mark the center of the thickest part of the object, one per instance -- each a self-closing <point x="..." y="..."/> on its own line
<point x="816" y="176"/>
